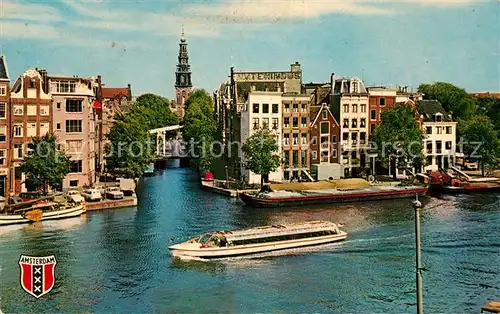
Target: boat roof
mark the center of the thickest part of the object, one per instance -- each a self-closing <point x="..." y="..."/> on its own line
<point x="270" y="231"/>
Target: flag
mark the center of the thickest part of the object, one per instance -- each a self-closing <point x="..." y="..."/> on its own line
<point x="97" y="104"/>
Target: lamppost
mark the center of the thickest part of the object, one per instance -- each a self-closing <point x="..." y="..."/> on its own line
<point x="227" y="176"/>
<point x="417" y="205"/>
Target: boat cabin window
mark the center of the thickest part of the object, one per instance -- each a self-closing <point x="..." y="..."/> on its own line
<point x="285" y="237"/>
<point x="205" y="238"/>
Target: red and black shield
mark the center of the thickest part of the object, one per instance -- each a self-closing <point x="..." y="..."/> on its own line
<point x="37" y="274"/>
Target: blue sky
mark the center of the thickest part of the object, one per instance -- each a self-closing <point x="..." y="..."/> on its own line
<point x="404" y="42"/>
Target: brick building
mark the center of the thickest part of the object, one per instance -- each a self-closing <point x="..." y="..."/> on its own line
<point x="31" y="115"/>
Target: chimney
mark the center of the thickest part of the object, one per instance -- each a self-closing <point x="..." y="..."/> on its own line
<point x="129" y="92"/>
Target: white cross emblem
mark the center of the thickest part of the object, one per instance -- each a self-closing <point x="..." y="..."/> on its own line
<point x="38" y="280"/>
<point x="37" y="289"/>
<point x="38" y="271"/>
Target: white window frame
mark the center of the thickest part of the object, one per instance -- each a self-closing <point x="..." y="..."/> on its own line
<point x="3" y="157"/>
<point x="3" y="131"/>
<point x="3" y="90"/>
<point x="29" y="127"/>
<point x="47" y="112"/>
<point x="42" y="132"/>
<point x="314" y="155"/>
<point x="18" y="126"/>
<point x="4" y="104"/>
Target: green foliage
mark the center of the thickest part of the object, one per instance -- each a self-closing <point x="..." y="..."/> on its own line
<point x="200" y="127"/>
<point x="260" y="152"/>
<point x="131" y="146"/>
<point x="490" y="106"/>
<point x="455" y="100"/>
<point x="481" y="140"/>
<point x="399" y="136"/>
<point x="45" y="165"/>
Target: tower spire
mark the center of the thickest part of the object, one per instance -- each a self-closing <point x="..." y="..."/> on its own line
<point x="183" y="85"/>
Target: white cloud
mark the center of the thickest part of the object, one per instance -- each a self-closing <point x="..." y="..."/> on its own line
<point x="28" y="11"/>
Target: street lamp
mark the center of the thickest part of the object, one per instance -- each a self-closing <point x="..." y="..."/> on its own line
<point x="417" y="205"/>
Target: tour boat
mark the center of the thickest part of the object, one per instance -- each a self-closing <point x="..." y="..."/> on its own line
<point x="220" y="244"/>
<point x="42" y="211"/>
<point x="309" y="197"/>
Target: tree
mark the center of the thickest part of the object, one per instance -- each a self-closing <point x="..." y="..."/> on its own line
<point x="455" y="100"/>
<point x="260" y="152"/>
<point x="131" y="146"/>
<point x="481" y="141"/>
<point x="399" y="137"/>
<point x="45" y="165"/>
<point x="200" y="127"/>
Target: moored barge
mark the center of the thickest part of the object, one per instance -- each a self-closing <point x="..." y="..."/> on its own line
<point x="220" y="244"/>
<point x="308" y="197"/>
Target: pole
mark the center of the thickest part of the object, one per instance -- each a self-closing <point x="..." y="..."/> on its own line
<point x="417" y="205"/>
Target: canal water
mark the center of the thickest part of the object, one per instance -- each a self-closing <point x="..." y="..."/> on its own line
<point x="118" y="262"/>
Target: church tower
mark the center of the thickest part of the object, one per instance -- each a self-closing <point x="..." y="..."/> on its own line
<point x="183" y="85"/>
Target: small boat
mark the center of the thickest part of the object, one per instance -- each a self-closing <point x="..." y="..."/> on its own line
<point x="42" y="211"/>
<point x="286" y="198"/>
<point x="220" y="244"/>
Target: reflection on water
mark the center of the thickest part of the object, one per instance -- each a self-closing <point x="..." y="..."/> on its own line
<point x="118" y="261"/>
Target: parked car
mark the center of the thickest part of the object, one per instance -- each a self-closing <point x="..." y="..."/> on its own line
<point x="114" y="192"/>
<point x="470" y="166"/>
<point x="92" y="195"/>
<point x="75" y="196"/>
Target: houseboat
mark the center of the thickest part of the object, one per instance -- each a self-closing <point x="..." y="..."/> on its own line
<point x="283" y="196"/>
<point x="42" y="211"/>
<point x="221" y="244"/>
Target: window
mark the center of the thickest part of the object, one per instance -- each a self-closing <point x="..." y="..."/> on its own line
<point x="74" y="146"/>
<point x="287" y="139"/>
<point x="286" y="122"/>
<point x="354" y="136"/>
<point x="381" y="102"/>
<point x="275" y="123"/>
<point x="18" y="130"/>
<point x="58" y="126"/>
<point x="74" y="105"/>
<point x="44" y="110"/>
<point x="73" y="126"/>
<point x="31" y="129"/>
<point x="346" y="123"/>
<point x="354" y="123"/>
<point x="428" y="147"/>
<point x="373" y="115"/>
<point x="295" y="158"/>
<point x="313" y="141"/>
<point x="32" y="83"/>
<point x="324" y="156"/>
<point x="439" y="130"/>
<point x="255" y="123"/>
<point x="3" y="133"/>
<point x="448" y="130"/>
<point x="295" y="122"/>
<point x="362" y="137"/>
<point x="334" y="153"/>
<point x="354" y="108"/>
<point x="345" y="136"/>
<point x="3" y="90"/>
<point x="324" y="142"/>
<point x="362" y="123"/>
<point x="3" y="155"/>
<point x="295" y="107"/>
<point x="275" y="108"/>
<point x="439" y="118"/>
<point x="255" y="108"/>
<point x="363" y="108"/>
<point x="439" y="147"/>
<point x="265" y="108"/>
<point x="314" y="155"/>
<point x="287" y="107"/>
<point x="2" y="110"/>
<point x="303" y="138"/>
<point x="58" y="106"/>
<point x="334" y="139"/>
<point x="304" y="122"/>
<point x="73" y="183"/>
<point x="44" y="128"/>
<point x="286" y="175"/>
<point x="428" y="129"/>
<point x="448" y="145"/>
<point x="304" y="108"/>
<point x="18" y="151"/>
<point x="324" y="115"/>
<point x="18" y="110"/>
<point x="265" y="123"/>
<point x="346" y="108"/>
<point x="303" y="158"/>
<point x="65" y="86"/>
<point x="31" y="110"/>
<point x="295" y="139"/>
<point x="75" y="166"/>
<point x="324" y="127"/>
